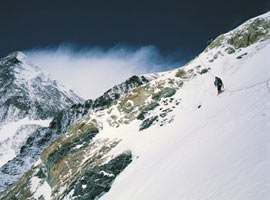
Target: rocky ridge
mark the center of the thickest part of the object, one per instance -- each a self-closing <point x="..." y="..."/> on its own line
<point x="40" y="138"/>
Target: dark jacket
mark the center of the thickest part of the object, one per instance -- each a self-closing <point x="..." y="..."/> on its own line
<point x="218" y="82"/>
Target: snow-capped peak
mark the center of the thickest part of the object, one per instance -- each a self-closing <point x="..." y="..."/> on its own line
<point x="26" y="88"/>
<point x="27" y="95"/>
<point x="19" y="55"/>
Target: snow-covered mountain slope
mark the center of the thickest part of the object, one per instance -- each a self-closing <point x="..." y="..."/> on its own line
<point x="41" y="137"/>
<point x="29" y="99"/>
<point x="172" y="137"/>
<point x="217" y="147"/>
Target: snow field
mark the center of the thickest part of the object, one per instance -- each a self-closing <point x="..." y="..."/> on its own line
<point x="220" y="151"/>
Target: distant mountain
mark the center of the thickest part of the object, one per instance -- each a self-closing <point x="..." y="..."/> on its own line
<point x="29" y="99"/>
<point x="26" y="91"/>
<point x="162" y="136"/>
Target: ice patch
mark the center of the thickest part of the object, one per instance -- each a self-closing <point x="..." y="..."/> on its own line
<point x="106" y="174"/>
<point x="84" y="186"/>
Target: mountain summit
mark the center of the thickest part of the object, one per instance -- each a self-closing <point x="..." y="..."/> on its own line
<point x="26" y="91"/>
<point x="166" y="135"/>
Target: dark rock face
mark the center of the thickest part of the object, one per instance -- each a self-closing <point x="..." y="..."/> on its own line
<point x="112" y="95"/>
<point x="148" y="122"/>
<point x="205" y="70"/>
<point x="64" y="118"/>
<point x="150" y="107"/>
<point x="95" y="182"/>
<point x="241" y="56"/>
<point x="67" y="148"/>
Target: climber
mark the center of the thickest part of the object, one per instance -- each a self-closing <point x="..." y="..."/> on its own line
<point x="219" y="84"/>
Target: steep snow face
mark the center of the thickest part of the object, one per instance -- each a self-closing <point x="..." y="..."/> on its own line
<point x="219" y="151"/>
<point x="170" y="138"/>
<point x="218" y="146"/>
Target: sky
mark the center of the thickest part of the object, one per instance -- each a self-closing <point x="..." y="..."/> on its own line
<point x="174" y="31"/>
<point x="92" y="71"/>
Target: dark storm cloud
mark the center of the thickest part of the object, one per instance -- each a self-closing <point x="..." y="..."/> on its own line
<point x="169" y="25"/>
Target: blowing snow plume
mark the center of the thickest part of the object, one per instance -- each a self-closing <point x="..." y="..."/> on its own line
<point x="91" y="71"/>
